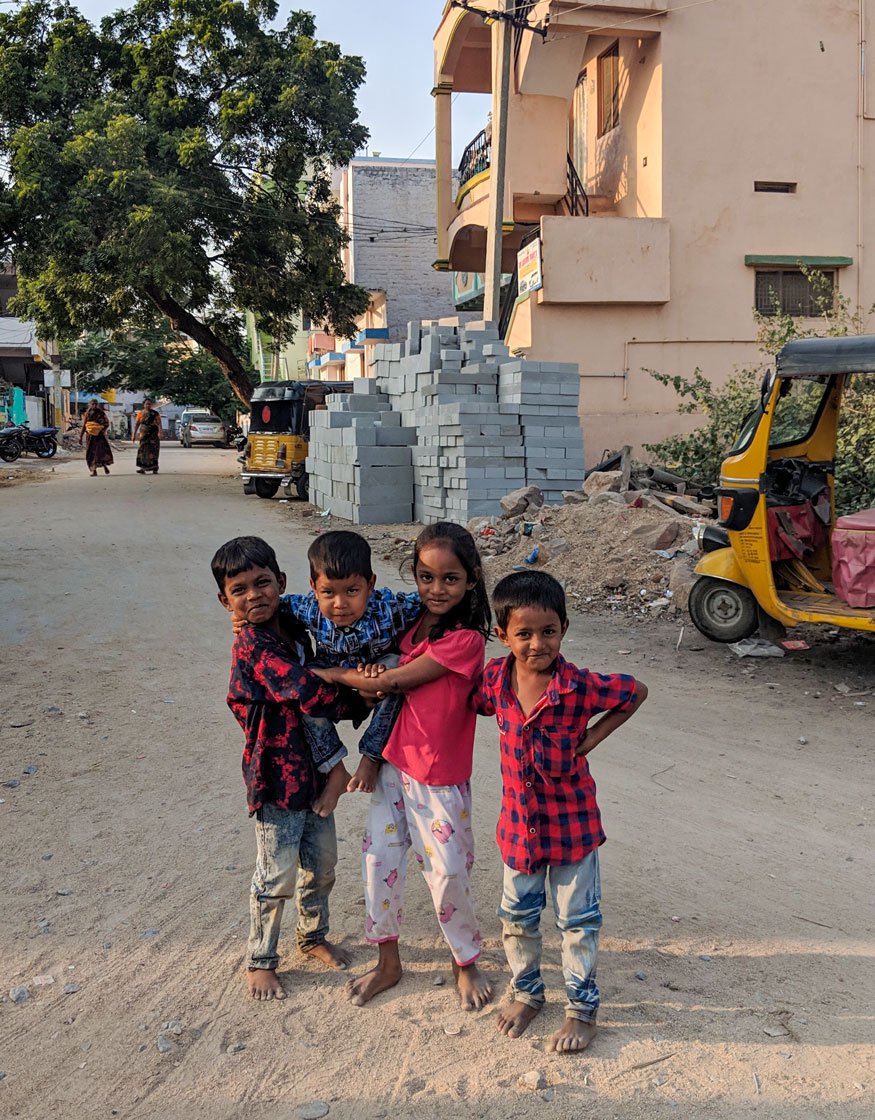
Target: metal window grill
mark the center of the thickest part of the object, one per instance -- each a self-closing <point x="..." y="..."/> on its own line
<point x="791" y="292"/>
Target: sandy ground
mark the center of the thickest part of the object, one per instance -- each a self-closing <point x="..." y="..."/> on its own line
<point x="736" y="964"/>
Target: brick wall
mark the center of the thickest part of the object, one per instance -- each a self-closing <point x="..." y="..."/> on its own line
<point x="398" y="263"/>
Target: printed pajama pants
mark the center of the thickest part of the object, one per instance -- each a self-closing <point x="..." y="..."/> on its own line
<point x="436" y="822"/>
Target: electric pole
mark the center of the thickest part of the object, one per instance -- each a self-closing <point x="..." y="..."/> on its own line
<point x="502" y="34"/>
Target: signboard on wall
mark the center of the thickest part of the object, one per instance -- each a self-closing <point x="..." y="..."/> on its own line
<point x="528" y="264"/>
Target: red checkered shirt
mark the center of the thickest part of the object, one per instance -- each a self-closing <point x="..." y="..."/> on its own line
<point x="549" y="813"/>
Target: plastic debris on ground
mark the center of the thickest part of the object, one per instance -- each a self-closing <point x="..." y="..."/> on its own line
<point x="756" y="647"/>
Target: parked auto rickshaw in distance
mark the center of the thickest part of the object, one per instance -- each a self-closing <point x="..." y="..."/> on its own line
<point x="783" y="553"/>
<point x="279" y="432"/>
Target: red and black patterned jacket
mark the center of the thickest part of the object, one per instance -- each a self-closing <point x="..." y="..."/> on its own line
<point x="269" y="690"/>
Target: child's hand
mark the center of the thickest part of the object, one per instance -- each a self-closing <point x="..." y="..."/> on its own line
<point x="371" y="671"/>
<point x="587" y="743"/>
<point x="237" y="623"/>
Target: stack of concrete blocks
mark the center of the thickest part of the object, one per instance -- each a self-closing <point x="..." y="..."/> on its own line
<point x="544" y="395"/>
<point x="447" y="425"/>
<point x="445" y="381"/>
<point x="360" y="464"/>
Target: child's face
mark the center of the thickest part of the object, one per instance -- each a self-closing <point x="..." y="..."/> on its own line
<point x="441" y="579"/>
<point x="534" y="636"/>
<point x="343" y="601"/>
<point x="254" y="595"/>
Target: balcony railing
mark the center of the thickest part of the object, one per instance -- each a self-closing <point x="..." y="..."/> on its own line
<point x="576" y="200"/>
<point x="476" y="157"/>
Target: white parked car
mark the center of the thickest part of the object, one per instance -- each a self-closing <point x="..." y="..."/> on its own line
<point x="200" y="426"/>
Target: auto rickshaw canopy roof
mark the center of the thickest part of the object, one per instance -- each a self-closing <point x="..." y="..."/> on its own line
<point x="294" y="390"/>
<point x="814" y="357"/>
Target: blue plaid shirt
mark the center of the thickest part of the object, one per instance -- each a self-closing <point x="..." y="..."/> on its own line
<point x="387" y="616"/>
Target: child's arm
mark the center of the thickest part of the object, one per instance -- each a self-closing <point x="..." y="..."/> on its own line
<point x="285" y="681"/>
<point x="481" y="699"/>
<point x="599" y="731"/>
<point x="369" y="681"/>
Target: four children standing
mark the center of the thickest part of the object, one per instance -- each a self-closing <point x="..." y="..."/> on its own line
<point x="417" y="759"/>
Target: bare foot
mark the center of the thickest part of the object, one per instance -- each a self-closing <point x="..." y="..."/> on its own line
<point x="572" y="1036"/>
<point x="475" y="991"/>
<point x="263" y="983"/>
<point x="326" y="802"/>
<point x="514" y="1017"/>
<point x="332" y="956"/>
<point x="364" y="780"/>
<point x="385" y="974"/>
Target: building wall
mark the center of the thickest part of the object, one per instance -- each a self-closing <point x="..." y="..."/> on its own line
<point x="382" y="197"/>
<point x="723" y="96"/>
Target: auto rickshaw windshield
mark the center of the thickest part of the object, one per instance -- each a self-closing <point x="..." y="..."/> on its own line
<point x="797" y="410"/>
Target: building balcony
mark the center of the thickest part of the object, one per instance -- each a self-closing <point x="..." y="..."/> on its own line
<point x="620" y="260"/>
<point x="318" y="342"/>
<point x="18" y="338"/>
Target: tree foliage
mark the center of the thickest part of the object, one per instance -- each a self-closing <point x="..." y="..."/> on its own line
<point x="698" y="455"/>
<point x="175" y="157"/>
<point x="156" y="361"/>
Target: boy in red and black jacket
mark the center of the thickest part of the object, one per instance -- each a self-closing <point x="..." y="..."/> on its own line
<point x="290" y="800"/>
<point x="550" y="829"/>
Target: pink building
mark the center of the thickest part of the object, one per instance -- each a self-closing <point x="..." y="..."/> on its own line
<point x="671" y="171"/>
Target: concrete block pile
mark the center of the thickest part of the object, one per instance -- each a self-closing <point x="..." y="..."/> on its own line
<point x="359" y="463"/>
<point x="474" y="422"/>
<point x="545" y="393"/>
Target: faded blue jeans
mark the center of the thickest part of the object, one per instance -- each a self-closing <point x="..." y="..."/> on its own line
<point x="321" y="734"/>
<point x="296" y="857"/>
<point x="575" y="891"/>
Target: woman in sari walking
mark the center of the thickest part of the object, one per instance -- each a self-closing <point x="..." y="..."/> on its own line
<point x="95" y="423"/>
<point x="149" y="428"/>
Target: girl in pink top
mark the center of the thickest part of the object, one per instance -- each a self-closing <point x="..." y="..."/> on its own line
<point x="423" y="793"/>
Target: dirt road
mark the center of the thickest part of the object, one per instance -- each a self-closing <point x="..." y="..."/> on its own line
<point x="737" y="964"/>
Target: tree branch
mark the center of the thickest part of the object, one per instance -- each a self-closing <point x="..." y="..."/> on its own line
<point x="184" y="321"/>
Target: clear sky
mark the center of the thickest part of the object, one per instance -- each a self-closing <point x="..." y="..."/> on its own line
<point x="395" y="39"/>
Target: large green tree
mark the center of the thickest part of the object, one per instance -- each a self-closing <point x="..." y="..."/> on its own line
<point x="153" y="360"/>
<point x="175" y="159"/>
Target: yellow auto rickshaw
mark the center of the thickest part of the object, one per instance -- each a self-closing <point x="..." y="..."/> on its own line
<point x="781" y="556"/>
<point x="279" y="432"/>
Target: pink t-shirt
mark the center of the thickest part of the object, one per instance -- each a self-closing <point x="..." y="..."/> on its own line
<point x="433" y="737"/>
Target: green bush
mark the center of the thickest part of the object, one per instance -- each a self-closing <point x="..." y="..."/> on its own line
<point x="698" y="455"/>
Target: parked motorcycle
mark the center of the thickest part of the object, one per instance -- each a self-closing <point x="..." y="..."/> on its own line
<point x="43" y="441"/>
<point x="11" y="443"/>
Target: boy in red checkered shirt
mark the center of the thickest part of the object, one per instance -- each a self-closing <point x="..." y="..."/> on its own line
<point x="549" y="830"/>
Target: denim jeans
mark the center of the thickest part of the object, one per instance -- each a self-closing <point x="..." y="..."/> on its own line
<point x="296" y="857"/>
<point x="324" y="742"/>
<point x="575" y="890"/>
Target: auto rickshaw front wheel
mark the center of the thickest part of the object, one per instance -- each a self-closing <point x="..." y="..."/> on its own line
<point x="722" y="611"/>
<point x="266" y="487"/>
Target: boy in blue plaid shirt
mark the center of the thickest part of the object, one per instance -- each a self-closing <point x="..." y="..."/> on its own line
<point x="549" y="829"/>
<point x="352" y="623"/>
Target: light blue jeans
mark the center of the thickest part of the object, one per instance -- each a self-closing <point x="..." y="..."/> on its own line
<point x="575" y="891"/>
<point x="321" y="734"/>
<point x="295" y="858"/>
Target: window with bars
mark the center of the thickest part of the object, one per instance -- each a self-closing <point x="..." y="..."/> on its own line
<point x="791" y="291"/>
<point x="609" y="88"/>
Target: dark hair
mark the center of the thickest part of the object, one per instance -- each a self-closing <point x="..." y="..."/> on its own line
<point x="528" y="589"/>
<point x="473" y="612"/>
<point x="241" y="554"/>
<point x="339" y="555"/>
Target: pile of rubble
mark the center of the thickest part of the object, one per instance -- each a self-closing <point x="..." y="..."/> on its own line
<point x="632" y="552"/>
